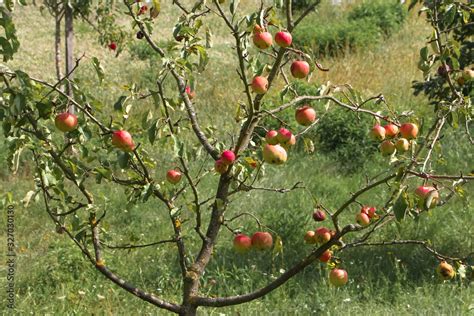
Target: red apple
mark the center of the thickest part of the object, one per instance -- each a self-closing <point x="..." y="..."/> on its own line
<point x="173" y="176"/>
<point x="262" y="240"/>
<point x="310" y="237"/>
<point x="274" y="154"/>
<point x="326" y="256"/>
<point x="142" y="10"/>
<point x="391" y="130"/>
<point x="272" y="137"/>
<point x="258" y="29"/>
<point x="378" y="132"/>
<point x="262" y="40"/>
<point x="299" y="69"/>
<point x="368" y="210"/>
<point x="319" y="215"/>
<point x="402" y="145"/>
<point x="362" y="219"/>
<point x="409" y="131"/>
<point x="65" y="122"/>
<point x="283" y="39"/>
<point x="220" y="166"/>
<point x="424" y="192"/>
<point x="387" y="148"/>
<point x="445" y="271"/>
<point x="284" y="135"/>
<point x="323" y="235"/>
<point x="259" y="85"/>
<point x="191" y="94"/>
<point x="123" y="140"/>
<point x="113" y="46"/>
<point x="338" y="277"/>
<point x="305" y="115"/>
<point x="242" y="243"/>
<point x="228" y="157"/>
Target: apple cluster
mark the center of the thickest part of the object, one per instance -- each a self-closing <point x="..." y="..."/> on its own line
<point x="225" y="161"/>
<point x="366" y="215"/>
<point x="394" y="139"/>
<point x="258" y="241"/>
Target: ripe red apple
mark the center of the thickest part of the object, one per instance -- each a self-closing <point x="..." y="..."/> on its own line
<point x="319" y="215"/>
<point x="299" y="69"/>
<point x="387" y="148"/>
<point x="305" y="115"/>
<point x="283" y="39"/>
<point x="123" y="140"/>
<point x="242" y="243"/>
<point x="369" y="211"/>
<point x="262" y="240"/>
<point x="228" y="157"/>
<point x="173" y="176"/>
<point x="363" y="219"/>
<point x="65" y="122"/>
<point x="378" y="132"/>
<point x="338" y="277"/>
<point x="220" y="166"/>
<point x="326" y="256"/>
<point x="445" y="271"/>
<point x="284" y="135"/>
<point x="272" y="137"/>
<point x="113" y="46"/>
<point x="423" y="192"/>
<point x="262" y="40"/>
<point x="289" y="143"/>
<point x="274" y="154"/>
<point x="402" y="145"/>
<point x="391" y="130"/>
<point x="409" y="131"/>
<point x="443" y="70"/>
<point x="191" y="94"/>
<point x="259" y="85"/>
<point x="142" y="10"/>
<point x="323" y="235"/>
<point x="310" y="237"/>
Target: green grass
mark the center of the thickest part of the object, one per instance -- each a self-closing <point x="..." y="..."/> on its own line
<point x="53" y="277"/>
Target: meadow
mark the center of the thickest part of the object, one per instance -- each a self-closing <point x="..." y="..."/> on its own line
<point x="52" y="277"/>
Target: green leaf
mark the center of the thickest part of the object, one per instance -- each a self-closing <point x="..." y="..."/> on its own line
<point x="123" y="159"/>
<point x="98" y="69"/>
<point x="424" y="53"/>
<point x="118" y="106"/>
<point x="400" y="207"/>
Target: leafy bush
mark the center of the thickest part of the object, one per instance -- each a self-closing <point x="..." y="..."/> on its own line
<point x="301" y="4"/>
<point x="364" y="25"/>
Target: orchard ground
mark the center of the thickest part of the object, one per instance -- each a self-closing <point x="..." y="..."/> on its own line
<point x="53" y="278"/>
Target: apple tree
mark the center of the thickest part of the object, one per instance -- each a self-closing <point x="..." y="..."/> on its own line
<point x="117" y="152"/>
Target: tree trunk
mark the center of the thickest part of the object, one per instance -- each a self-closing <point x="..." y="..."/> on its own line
<point x="57" y="41"/>
<point x="69" y="32"/>
<point x="189" y="311"/>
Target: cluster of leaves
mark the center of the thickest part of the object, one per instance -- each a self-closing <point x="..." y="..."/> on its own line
<point x="365" y="25"/>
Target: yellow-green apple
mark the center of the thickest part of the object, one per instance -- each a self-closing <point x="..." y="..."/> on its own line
<point x="362" y="219"/>
<point x="123" y="140"/>
<point x="299" y="69"/>
<point x="319" y="215"/>
<point x="387" y="148"/>
<point x="259" y="85"/>
<point x="173" y="176"/>
<point x="262" y="40"/>
<point x="425" y="192"/>
<point x="310" y="237"/>
<point x="338" y="277"/>
<point x="283" y="39"/>
<point x="228" y="157"/>
<point x="191" y="94"/>
<point x="409" y="130"/>
<point x="274" y="154"/>
<point x="305" y="115"/>
<point x="242" y="243"/>
<point x="262" y="240"/>
<point x="272" y="137"/>
<point x="445" y="271"/>
<point x="402" y="145"/>
<point x="326" y="256"/>
<point x="468" y="74"/>
<point x="65" y="122"/>
<point x="378" y="132"/>
<point x="323" y="235"/>
<point x="391" y="130"/>
<point x="220" y="166"/>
